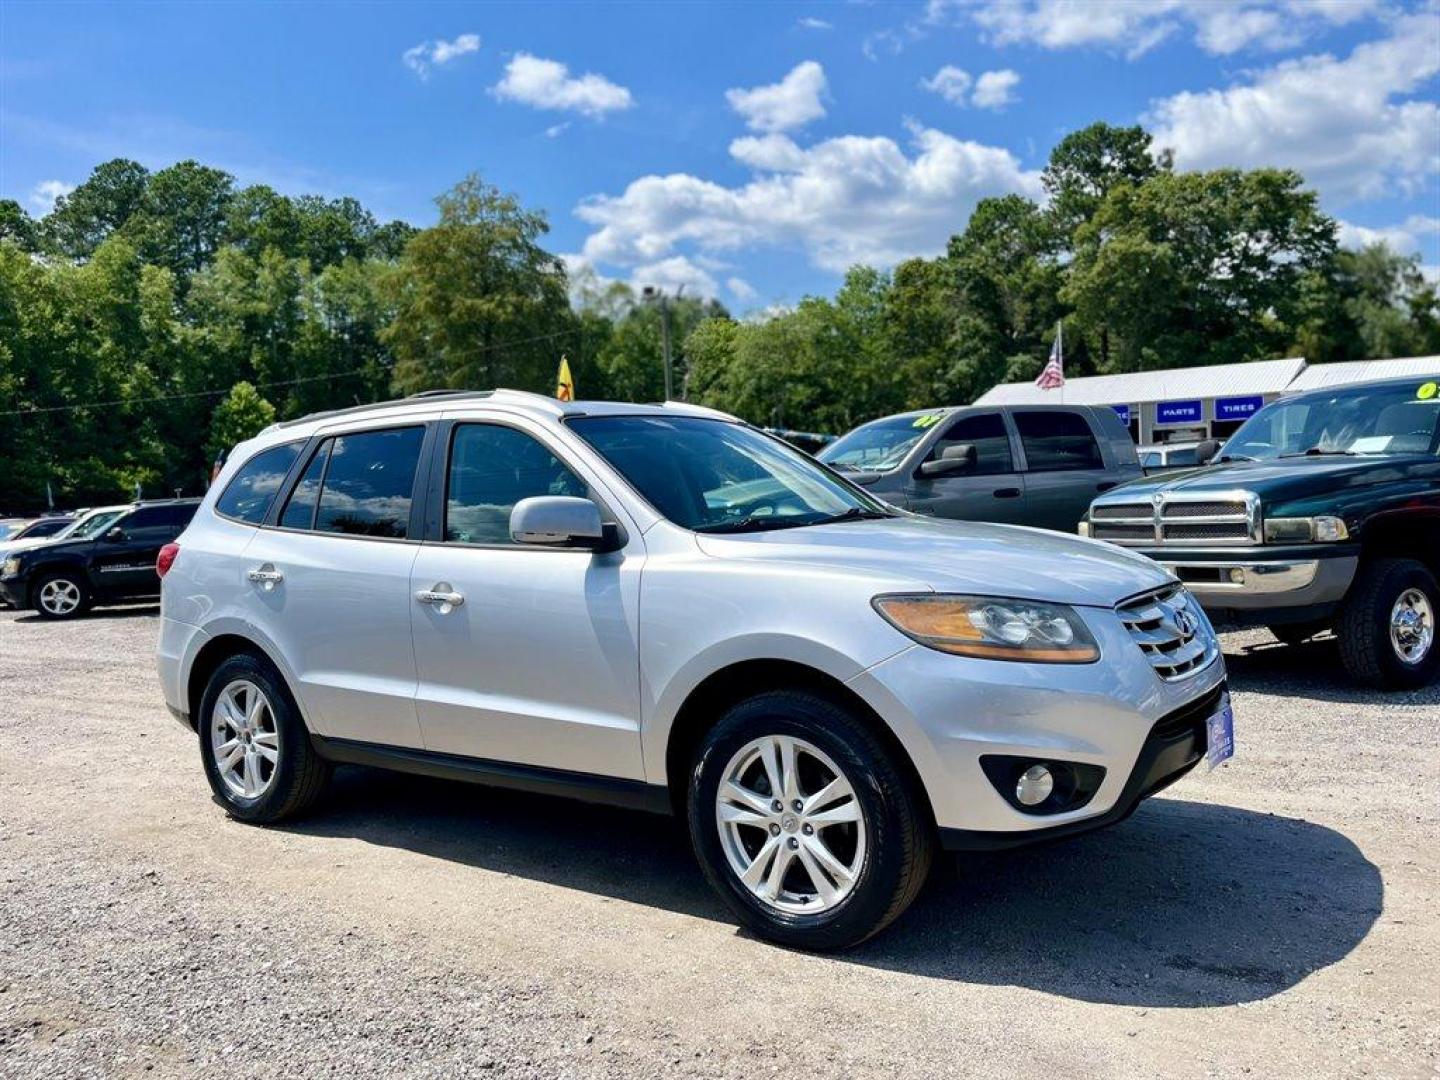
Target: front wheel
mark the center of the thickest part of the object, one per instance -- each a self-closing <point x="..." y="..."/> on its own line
<point x="253" y="745"/>
<point x="805" y="824"/>
<point x="1387" y="625"/>
<point x="61" y="595"/>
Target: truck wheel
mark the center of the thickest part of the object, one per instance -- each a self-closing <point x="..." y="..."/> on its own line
<point x="1387" y="625"/>
<point x="253" y="745"/>
<point x="61" y="595"/>
<point x="804" y="824"/>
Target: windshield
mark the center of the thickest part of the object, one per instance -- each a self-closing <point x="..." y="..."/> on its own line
<point x="92" y="524"/>
<point x="880" y="445"/>
<point x="10" y="528"/>
<point x="719" y="476"/>
<point x="1395" y="419"/>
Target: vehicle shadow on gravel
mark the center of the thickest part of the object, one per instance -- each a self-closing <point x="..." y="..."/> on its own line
<point x="1183" y="905"/>
<point x="98" y="613"/>
<point x="1311" y="670"/>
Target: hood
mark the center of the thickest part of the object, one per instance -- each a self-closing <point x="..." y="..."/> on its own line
<point x="14" y="547"/>
<point x="1287" y="478"/>
<point x="957" y="557"/>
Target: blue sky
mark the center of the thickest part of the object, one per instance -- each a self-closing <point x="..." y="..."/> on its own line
<point x="748" y="150"/>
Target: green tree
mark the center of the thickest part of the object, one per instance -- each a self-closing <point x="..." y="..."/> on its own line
<point x="242" y="415"/>
<point x="1088" y="164"/>
<point x="478" y="302"/>
<point x="17" y="227"/>
<point x="182" y="219"/>
<point x="82" y="220"/>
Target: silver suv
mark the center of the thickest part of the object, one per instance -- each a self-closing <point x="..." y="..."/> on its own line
<point x="664" y="608"/>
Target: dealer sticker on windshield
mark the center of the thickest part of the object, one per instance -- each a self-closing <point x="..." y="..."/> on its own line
<point x="1220" y="733"/>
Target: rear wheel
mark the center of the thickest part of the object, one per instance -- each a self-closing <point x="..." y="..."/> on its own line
<point x="1387" y="626"/>
<point x="253" y="745"/>
<point x="805" y="824"/>
<point x="61" y="595"/>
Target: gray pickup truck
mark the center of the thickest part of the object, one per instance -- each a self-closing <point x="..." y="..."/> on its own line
<point x="1021" y="465"/>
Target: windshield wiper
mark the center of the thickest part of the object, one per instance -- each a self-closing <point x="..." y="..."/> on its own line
<point x="754" y="523"/>
<point x="1315" y="451"/>
<point x="855" y="513"/>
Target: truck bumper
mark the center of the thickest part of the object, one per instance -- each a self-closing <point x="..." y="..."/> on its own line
<point x="1244" y="584"/>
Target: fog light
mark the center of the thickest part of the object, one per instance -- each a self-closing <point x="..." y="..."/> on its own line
<point x="1035" y="785"/>
<point x="1237" y="575"/>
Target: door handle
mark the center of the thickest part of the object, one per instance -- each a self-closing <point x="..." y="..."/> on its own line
<point x="441" y="598"/>
<point x="266" y="576"/>
<point x="1106" y="485"/>
<point x="1006" y="493"/>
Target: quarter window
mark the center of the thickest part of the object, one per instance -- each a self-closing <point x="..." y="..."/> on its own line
<point x="249" y="495"/>
<point x="491" y="469"/>
<point x="300" y="510"/>
<point x="1057" y="441"/>
<point x="987" y="434"/>
<point x="369" y="482"/>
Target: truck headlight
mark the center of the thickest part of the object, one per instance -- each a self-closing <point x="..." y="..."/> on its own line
<point x="1302" y="530"/>
<point x="992" y="627"/>
<point x="10" y="567"/>
<point x="1083" y="528"/>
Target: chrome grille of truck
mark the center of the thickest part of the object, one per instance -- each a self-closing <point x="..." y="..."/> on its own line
<point x="1170" y="630"/>
<point x="1233" y="518"/>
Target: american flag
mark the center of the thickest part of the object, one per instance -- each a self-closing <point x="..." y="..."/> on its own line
<point x="1053" y="376"/>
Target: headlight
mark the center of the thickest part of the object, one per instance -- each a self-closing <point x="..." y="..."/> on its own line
<point x="10" y="568"/>
<point x="1083" y="528"/>
<point x="993" y="628"/>
<point x="1324" y="529"/>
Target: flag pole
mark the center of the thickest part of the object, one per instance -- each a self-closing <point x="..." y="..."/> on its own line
<point x="1060" y="340"/>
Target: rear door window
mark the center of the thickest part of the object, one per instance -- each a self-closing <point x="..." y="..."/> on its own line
<point x="249" y="495"/>
<point x="369" y="483"/>
<point x="300" y="510"/>
<point x="1057" y="441"/>
<point x="156" y="522"/>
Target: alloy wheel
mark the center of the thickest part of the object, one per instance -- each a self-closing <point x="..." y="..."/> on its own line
<point x="791" y="825"/>
<point x="244" y="739"/>
<point x="1412" y="626"/>
<point x="59" y="596"/>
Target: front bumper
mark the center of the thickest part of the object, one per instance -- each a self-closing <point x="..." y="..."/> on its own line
<point x="15" y="592"/>
<point x="949" y="711"/>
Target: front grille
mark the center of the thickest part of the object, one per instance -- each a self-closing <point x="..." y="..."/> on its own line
<point x="1108" y="531"/>
<point x="1177" y="518"/>
<point x="1215" y="530"/>
<point x="1189" y="719"/>
<point x="1204" y="509"/>
<point x="1170" y="630"/>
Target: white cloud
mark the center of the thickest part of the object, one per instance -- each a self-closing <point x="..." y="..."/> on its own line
<point x="556" y="130"/>
<point x="741" y="289"/>
<point x="1219" y="27"/>
<point x="845" y="200"/>
<point x="951" y="83"/>
<point x="1404" y="239"/>
<point x="810" y="23"/>
<point x="791" y="103"/>
<point x="421" y="58"/>
<point x="42" y="197"/>
<point x="992" y="90"/>
<point x="672" y="274"/>
<point x="1340" y="122"/>
<point x="548" y="84"/>
<point x="995" y="89"/>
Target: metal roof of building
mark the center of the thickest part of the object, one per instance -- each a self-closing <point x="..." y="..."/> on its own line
<point x="1318" y="375"/>
<point x="1220" y="380"/>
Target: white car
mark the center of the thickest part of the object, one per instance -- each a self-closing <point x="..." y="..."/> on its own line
<point x="664" y="608"/>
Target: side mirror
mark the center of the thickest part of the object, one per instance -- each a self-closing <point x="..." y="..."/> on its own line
<point x="115" y="534"/>
<point x="1206" y="451"/>
<point x="562" y="521"/>
<point x="954" y="459"/>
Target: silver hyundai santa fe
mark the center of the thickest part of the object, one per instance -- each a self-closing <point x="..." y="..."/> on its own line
<point x="664" y="608"/>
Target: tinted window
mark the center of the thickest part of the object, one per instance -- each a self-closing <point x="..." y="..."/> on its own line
<point x="249" y="495"/>
<point x="1183" y="457"/>
<point x="45" y="528"/>
<point x="368" y="483"/>
<point x="491" y="469"/>
<point x="1057" y="440"/>
<point x="157" y="522"/>
<point x="987" y="434"/>
<point x="300" y="510"/>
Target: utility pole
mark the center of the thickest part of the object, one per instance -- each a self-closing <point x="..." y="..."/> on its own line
<point x="653" y="295"/>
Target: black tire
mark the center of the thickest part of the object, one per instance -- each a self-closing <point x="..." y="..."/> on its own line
<point x="900" y="835"/>
<point x="1364" y="625"/>
<point x="299" y="775"/>
<point x="72" y="578"/>
<point x="1295" y="633"/>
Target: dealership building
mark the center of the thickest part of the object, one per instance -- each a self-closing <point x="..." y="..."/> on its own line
<point x="1189" y="404"/>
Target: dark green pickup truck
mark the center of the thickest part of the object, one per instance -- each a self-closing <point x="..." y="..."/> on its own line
<point x="1321" y="512"/>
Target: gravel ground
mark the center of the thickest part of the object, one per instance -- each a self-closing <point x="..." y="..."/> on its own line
<point x="1275" y="918"/>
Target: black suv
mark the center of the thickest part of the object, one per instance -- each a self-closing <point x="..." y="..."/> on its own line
<point x="1322" y="512"/>
<point x="109" y="558"/>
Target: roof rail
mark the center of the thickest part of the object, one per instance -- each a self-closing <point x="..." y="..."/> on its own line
<point x="424" y="395"/>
